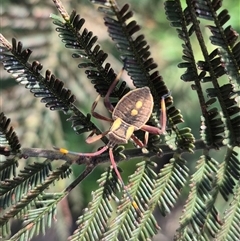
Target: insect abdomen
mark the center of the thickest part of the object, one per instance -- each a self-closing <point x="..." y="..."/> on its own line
<point x="135" y="107"/>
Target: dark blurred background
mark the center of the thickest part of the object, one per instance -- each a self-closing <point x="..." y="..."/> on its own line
<point x="28" y="21"/>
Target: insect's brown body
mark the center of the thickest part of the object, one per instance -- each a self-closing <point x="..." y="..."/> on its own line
<point x="130" y="114"/>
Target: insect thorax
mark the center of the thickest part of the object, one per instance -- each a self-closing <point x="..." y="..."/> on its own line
<point x="120" y="132"/>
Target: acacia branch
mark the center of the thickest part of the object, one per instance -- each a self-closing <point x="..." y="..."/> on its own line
<point x="104" y="157"/>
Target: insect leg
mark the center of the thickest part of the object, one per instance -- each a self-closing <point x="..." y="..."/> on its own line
<point x="106" y="101"/>
<point x="92" y="138"/>
<point x="163" y="120"/>
<point x="152" y="129"/>
<point x="121" y="180"/>
<point x="137" y="141"/>
<point x="97" y="115"/>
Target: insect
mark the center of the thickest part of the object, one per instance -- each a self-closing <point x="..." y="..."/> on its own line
<point x="129" y="115"/>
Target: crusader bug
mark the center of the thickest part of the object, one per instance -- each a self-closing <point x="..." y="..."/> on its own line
<point x="130" y="114"/>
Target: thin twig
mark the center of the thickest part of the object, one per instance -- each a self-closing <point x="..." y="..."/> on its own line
<point x="104" y="157"/>
<point x="84" y="174"/>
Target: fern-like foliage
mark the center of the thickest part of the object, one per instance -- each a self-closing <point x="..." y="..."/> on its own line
<point x="15" y="188"/>
<point x="8" y="137"/>
<point x="84" y="44"/>
<point x="134" y="50"/>
<point x="213" y="65"/>
<point x="200" y="214"/>
<point x="197" y="208"/>
<point x="49" y="88"/>
<point x="229" y="173"/>
<point x="171" y="179"/>
<point x="110" y="215"/>
<point x="230" y="227"/>
<point x="125" y="225"/>
<point x="9" y="144"/>
<point x="28" y="200"/>
<point x="99" y="210"/>
<point x="23" y="192"/>
<point x="37" y="220"/>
